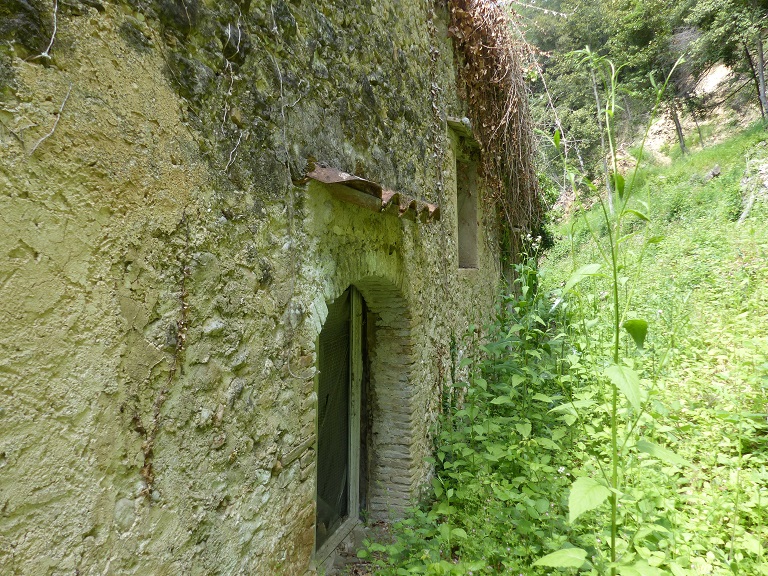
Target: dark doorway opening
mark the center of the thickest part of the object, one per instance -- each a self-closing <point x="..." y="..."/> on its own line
<point x="342" y="419"/>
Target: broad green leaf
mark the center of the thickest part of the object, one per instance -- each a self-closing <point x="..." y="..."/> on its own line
<point x="663" y="454"/>
<point x="501" y="494"/>
<point x="655" y="239"/>
<point x="638" y="329"/>
<point x="586" y="494"/>
<point x="542" y="505"/>
<point x="750" y="544"/>
<point x="547" y="443"/>
<point x="580" y="274"/>
<point x="458" y="533"/>
<point x="516" y="328"/>
<point x="640" y="568"/>
<point x="517" y="380"/>
<point x="678" y="570"/>
<point x="524" y="429"/>
<point x="445" y="531"/>
<point x="542" y="398"/>
<point x="626" y="380"/>
<point x="565" y="558"/>
<point x="438" y="487"/>
<point x="557" y="139"/>
<point x="636" y="213"/>
<point x="501" y="400"/>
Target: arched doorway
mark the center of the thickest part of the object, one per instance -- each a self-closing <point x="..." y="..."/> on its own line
<point x="371" y="430"/>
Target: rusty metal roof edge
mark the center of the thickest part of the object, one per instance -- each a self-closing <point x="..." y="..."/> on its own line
<point x="389" y="198"/>
<point x="328" y="175"/>
<point x="402" y="204"/>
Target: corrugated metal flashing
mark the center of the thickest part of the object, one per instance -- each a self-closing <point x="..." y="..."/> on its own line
<point x="368" y="194"/>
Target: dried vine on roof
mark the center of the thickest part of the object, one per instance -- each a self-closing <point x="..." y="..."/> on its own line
<point x="490" y="71"/>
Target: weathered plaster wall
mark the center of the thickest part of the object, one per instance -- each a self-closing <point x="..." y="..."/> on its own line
<point x="163" y="281"/>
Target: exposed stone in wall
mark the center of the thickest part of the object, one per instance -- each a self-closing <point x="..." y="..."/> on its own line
<point x="163" y="281"/>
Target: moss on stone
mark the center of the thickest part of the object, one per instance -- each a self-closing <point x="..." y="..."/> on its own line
<point x="27" y="24"/>
<point x="132" y="32"/>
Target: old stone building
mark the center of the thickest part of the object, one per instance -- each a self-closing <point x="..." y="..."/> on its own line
<point x="241" y="242"/>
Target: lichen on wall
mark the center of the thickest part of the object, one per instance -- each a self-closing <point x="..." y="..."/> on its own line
<point x="164" y="269"/>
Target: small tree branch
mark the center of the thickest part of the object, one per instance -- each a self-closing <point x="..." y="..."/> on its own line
<point x="46" y="54"/>
<point x="56" y="122"/>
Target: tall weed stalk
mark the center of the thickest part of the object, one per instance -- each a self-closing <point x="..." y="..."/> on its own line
<point x="623" y="219"/>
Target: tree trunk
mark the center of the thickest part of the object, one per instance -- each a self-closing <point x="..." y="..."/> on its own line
<point x="755" y="78"/>
<point x="761" y="71"/>
<point x="678" y="126"/>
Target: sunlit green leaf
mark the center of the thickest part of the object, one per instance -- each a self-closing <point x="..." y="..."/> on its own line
<point x="580" y="274"/>
<point x="566" y="558"/>
<point x="640" y="568"/>
<point x="663" y="454"/>
<point x="557" y="139"/>
<point x="524" y="429"/>
<point x="626" y="380"/>
<point x="586" y="494"/>
<point x="516" y="380"/>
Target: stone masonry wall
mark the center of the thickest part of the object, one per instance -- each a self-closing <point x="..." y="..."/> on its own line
<point x="164" y="274"/>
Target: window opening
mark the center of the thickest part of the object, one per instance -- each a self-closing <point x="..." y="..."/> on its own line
<point x="466" y="207"/>
<point x="339" y="389"/>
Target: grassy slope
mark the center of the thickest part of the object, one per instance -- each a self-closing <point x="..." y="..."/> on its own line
<point x="704" y="290"/>
<point x="511" y="444"/>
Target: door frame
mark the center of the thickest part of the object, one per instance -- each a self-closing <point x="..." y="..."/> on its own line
<point x="355" y="409"/>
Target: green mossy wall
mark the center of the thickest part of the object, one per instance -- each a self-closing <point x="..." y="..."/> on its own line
<point x="163" y="273"/>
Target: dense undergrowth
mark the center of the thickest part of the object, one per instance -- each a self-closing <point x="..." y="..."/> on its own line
<point x="533" y="418"/>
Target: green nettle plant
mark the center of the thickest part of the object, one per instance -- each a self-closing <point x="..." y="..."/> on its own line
<point x="617" y="235"/>
<point x="500" y="455"/>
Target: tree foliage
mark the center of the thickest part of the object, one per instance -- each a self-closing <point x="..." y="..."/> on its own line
<point x="644" y="38"/>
